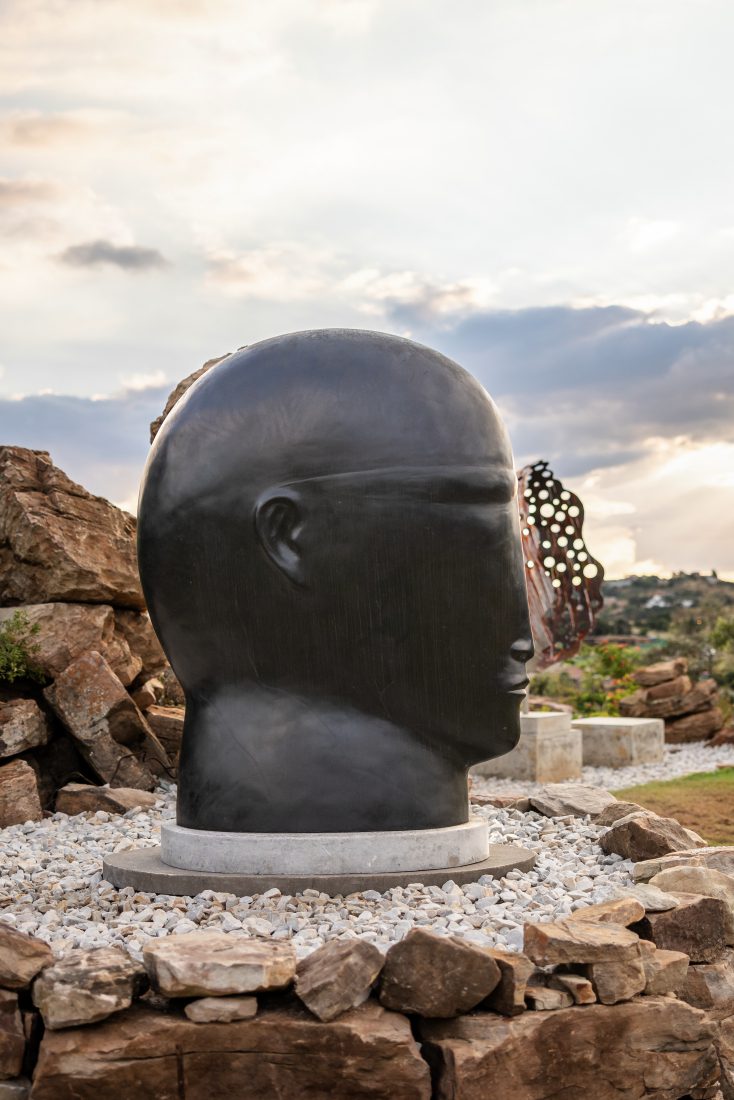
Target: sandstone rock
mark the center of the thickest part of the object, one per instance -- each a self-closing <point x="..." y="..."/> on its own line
<point x="108" y="727"/>
<point x="173" y="693"/>
<point x="652" y="1048"/>
<point x="622" y="910"/>
<point x="202" y="964"/>
<point x="54" y="763"/>
<point x="650" y="898"/>
<point x="86" y="986"/>
<point x="148" y="694"/>
<point x="697" y="926"/>
<point x="368" y="1053"/>
<point x="21" y="958"/>
<point x="221" y="1010"/>
<point x="681" y="685"/>
<point x="618" y="979"/>
<point x="580" y="988"/>
<point x="645" y="836"/>
<point x="337" y="977"/>
<point x="725" y="1048"/>
<point x="179" y="390"/>
<point x="436" y="975"/>
<point x="23" y="726"/>
<point x="77" y="798"/>
<point x="642" y="705"/>
<point x="12" y="1037"/>
<point x="694" y="727"/>
<point x="710" y="986"/>
<point x="502" y="801"/>
<point x="665" y="971"/>
<point x="577" y="941"/>
<point x="19" y="800"/>
<point x="57" y="541"/>
<point x="720" y="858"/>
<point x="167" y="724"/>
<point x="68" y="630"/>
<point x="544" y="998"/>
<point x="661" y="672"/>
<point x="137" y="630"/>
<point x="577" y="799"/>
<point x="17" y="1089"/>
<point x="617" y="810"/>
<point x="508" y="997"/>
<point x="700" y="880"/>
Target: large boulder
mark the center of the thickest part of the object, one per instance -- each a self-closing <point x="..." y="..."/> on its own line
<point x="434" y="975"/>
<point x="652" y="1048"/>
<point x="67" y="630"/>
<point x="205" y="964"/>
<point x="19" y="797"/>
<point x="643" y="836"/>
<point x="574" y="799"/>
<point x="23" y="726"/>
<point x="368" y="1053"/>
<point x="137" y="630"/>
<point x="87" y="986"/>
<point x="105" y="723"/>
<point x="58" y="541"/>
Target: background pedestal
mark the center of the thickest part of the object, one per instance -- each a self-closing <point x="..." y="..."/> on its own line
<point x="619" y="742"/>
<point x="143" y="869"/>
<point x="549" y="751"/>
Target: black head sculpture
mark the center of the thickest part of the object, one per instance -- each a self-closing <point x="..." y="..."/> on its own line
<point x="330" y="551"/>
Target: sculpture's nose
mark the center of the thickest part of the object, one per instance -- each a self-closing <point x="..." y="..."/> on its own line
<point x="522" y="650"/>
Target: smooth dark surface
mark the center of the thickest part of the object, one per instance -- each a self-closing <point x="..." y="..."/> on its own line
<point x="330" y="552"/>
<point x="143" y="869"/>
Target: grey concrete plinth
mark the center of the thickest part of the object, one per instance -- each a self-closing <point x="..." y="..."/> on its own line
<point x="144" y="870"/>
<point x="549" y="751"/>
<point x="324" y="853"/>
<point x="619" y="742"/>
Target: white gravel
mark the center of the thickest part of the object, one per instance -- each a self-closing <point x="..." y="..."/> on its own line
<point x="679" y="760"/>
<point x="51" y="881"/>
<point x="51" y="886"/>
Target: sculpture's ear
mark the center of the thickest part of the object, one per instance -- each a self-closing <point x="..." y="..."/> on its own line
<point x="278" y="521"/>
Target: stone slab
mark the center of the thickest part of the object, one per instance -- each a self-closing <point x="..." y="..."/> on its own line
<point x="324" y="853"/>
<point x="621" y="742"/>
<point x="549" y="751"/>
<point x="143" y="869"/>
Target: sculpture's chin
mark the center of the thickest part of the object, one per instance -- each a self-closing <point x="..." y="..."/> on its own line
<point x="501" y="732"/>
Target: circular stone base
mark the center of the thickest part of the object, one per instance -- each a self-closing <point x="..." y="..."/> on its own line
<point x="324" y="853"/>
<point x="144" y="870"/>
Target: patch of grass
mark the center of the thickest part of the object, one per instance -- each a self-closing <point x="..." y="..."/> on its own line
<point x="703" y="802"/>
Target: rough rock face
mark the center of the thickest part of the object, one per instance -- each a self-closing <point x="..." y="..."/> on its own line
<point x="58" y="541"/>
<point x="177" y="393"/>
<point x="700" y="880"/>
<point x="720" y="857"/>
<point x="220" y="1010"/>
<point x="508" y="997"/>
<point x="623" y="910"/>
<point x="578" y="799"/>
<point x="12" y="1038"/>
<point x="665" y="971"/>
<point x="19" y="799"/>
<point x="698" y="927"/>
<point x="710" y="986"/>
<point x="21" y="958"/>
<point x="690" y="711"/>
<point x="108" y="727"/>
<point x="68" y="630"/>
<point x="86" y="986"/>
<point x="436" y="975"/>
<point x="167" y="724"/>
<point x="137" y="630"/>
<point x="337" y="977"/>
<point x="77" y="798"/>
<point x="649" y="1049"/>
<point x="645" y="836"/>
<point x="578" y="941"/>
<point x="23" y="726"/>
<point x="203" y="964"/>
<point x="367" y="1054"/>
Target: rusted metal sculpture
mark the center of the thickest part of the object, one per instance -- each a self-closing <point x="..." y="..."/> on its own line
<point x="564" y="580"/>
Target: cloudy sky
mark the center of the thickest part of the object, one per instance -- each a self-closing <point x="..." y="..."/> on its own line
<point x="542" y="189"/>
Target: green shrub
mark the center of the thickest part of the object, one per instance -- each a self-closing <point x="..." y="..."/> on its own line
<point x="603" y="679"/>
<point x="17" y="650"/>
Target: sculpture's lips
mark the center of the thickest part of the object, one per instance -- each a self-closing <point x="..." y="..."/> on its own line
<point x="519" y="689"/>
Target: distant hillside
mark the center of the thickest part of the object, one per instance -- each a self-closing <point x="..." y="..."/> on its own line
<point x="654" y="605"/>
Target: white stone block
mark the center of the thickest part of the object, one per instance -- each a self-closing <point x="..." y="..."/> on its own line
<point x="549" y="751"/>
<point x="619" y="742"/>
